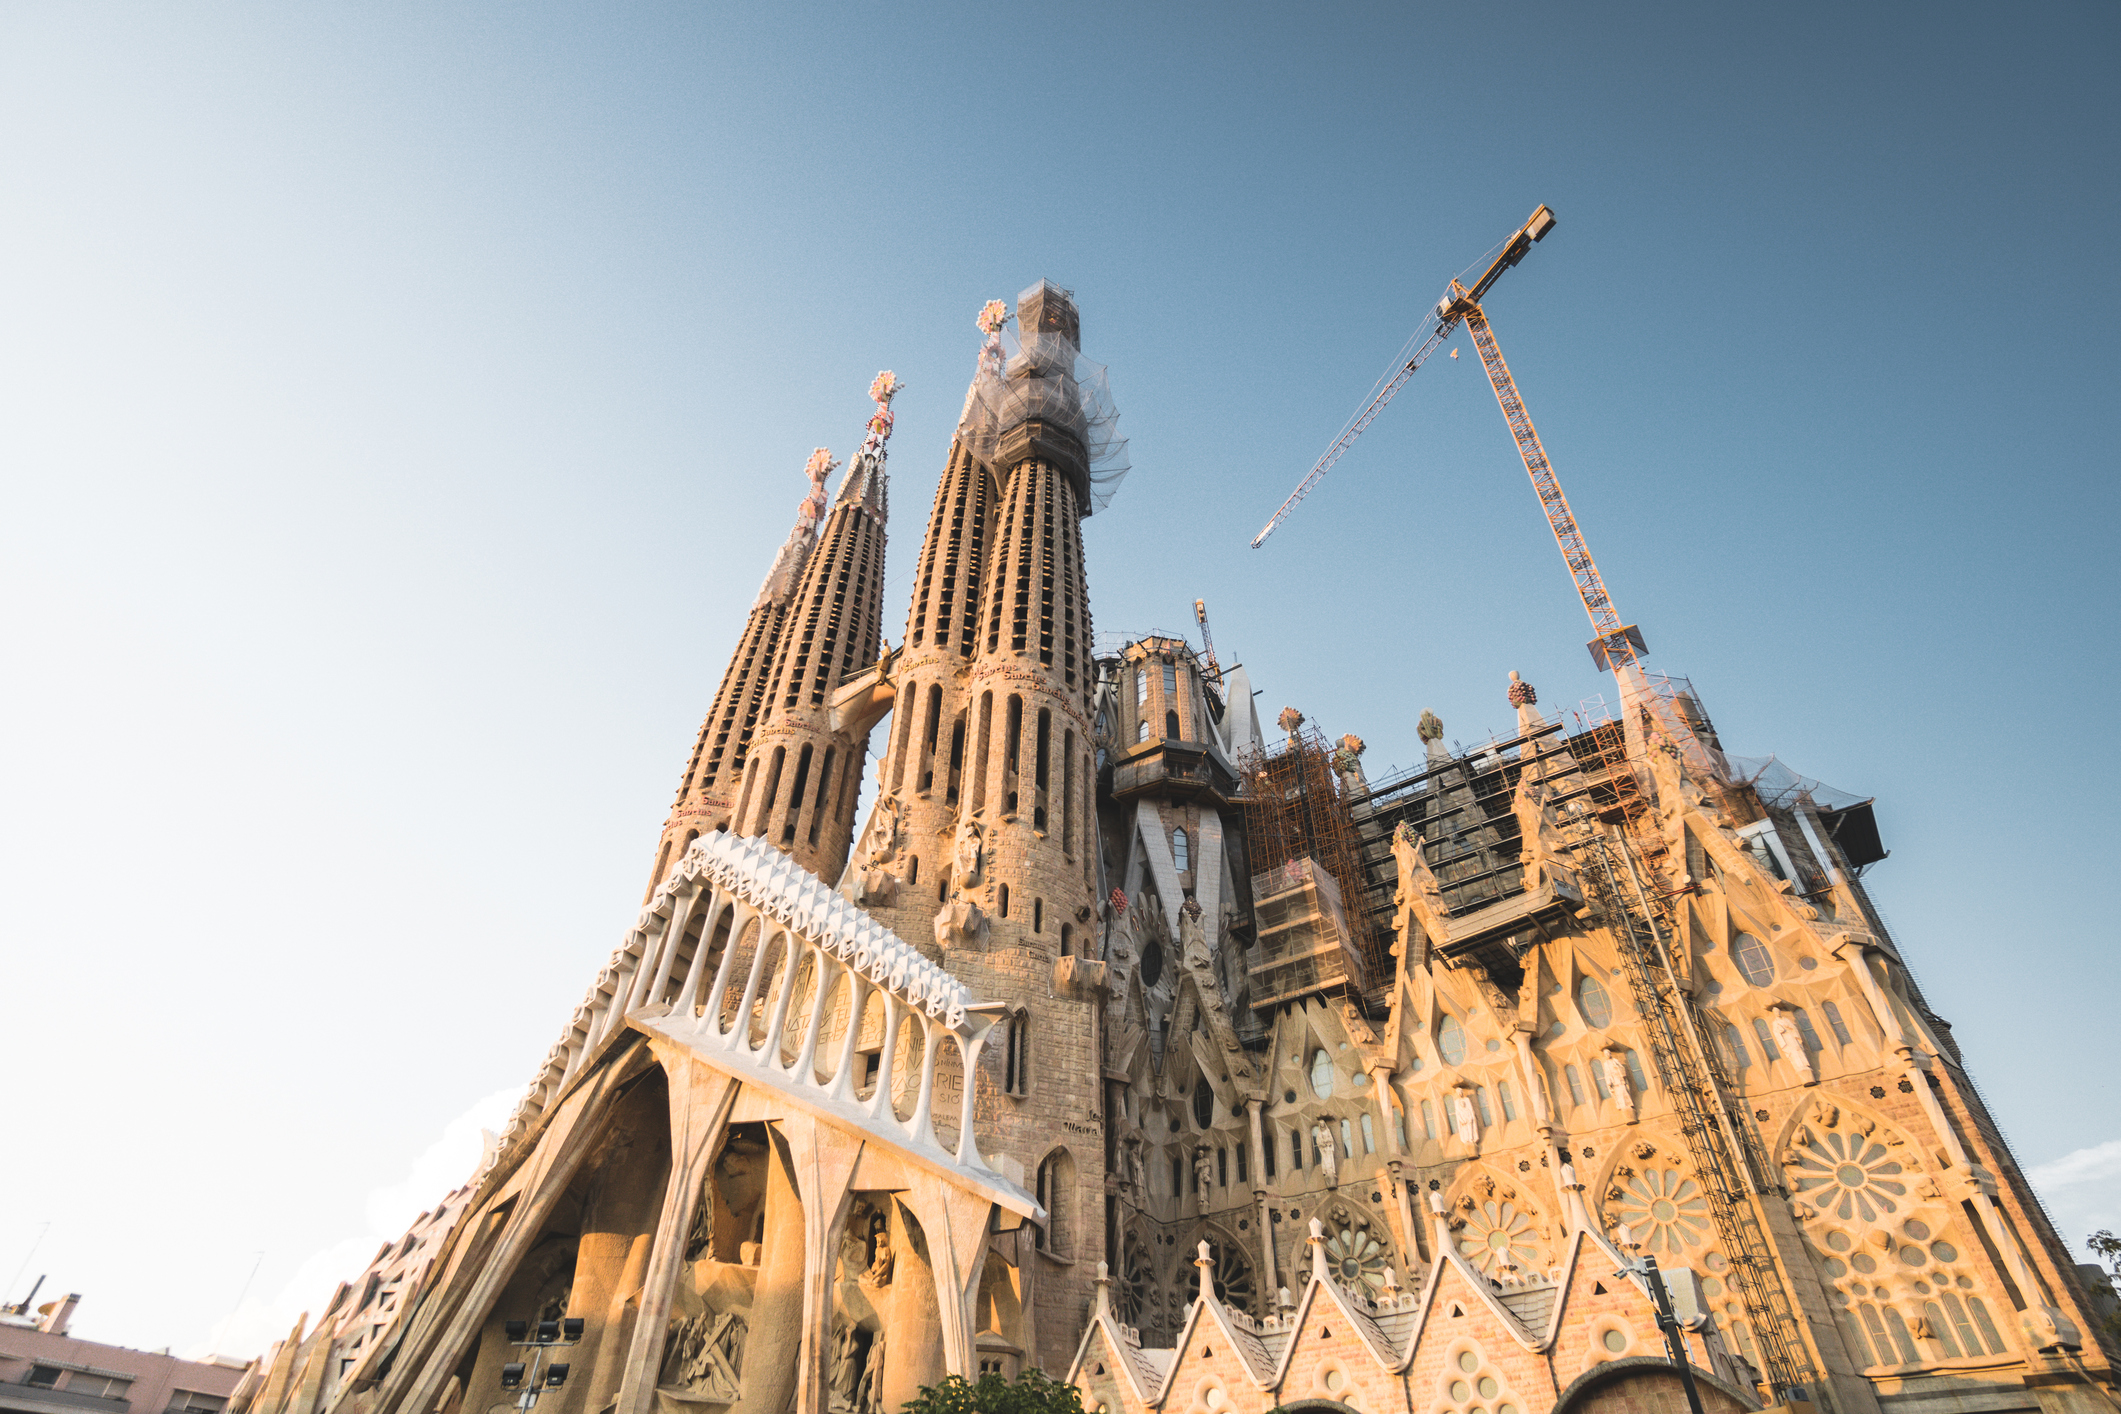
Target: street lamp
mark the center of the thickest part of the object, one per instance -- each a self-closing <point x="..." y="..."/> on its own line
<point x="534" y="1376"/>
<point x="1645" y="1267"/>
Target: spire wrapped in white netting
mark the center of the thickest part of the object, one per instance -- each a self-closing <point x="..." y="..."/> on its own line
<point x="1042" y="376"/>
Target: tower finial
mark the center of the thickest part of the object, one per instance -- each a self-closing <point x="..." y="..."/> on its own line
<point x="865" y="480"/>
<point x="809" y="515"/>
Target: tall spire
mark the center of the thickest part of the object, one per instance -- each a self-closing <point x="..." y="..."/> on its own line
<point x="706" y="793"/>
<point x="865" y="481"/>
<point x="800" y="786"/>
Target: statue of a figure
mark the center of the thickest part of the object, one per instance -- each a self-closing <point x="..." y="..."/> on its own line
<point x="1203" y="1176"/>
<point x="869" y="1393"/>
<point x="1328" y="1152"/>
<point x="844" y="1374"/>
<point x="1137" y="1172"/>
<point x="1468" y="1125"/>
<point x="879" y="1273"/>
<point x="1790" y="1041"/>
<point x="1615" y="1071"/>
<point x="968" y="854"/>
<point x="880" y="845"/>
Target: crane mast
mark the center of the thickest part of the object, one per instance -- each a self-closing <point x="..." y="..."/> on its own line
<point x="1617" y="644"/>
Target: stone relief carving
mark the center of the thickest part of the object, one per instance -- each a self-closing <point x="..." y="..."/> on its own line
<point x="869" y="1391"/>
<point x="1419" y="905"/>
<point x="703" y="1355"/>
<point x="844" y="1373"/>
<point x="961" y="924"/>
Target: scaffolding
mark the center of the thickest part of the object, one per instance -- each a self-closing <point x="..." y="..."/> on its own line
<point x="1624" y="867"/>
<point x="1295" y="810"/>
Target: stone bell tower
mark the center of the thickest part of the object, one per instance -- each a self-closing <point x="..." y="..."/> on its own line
<point x="707" y="794"/>
<point x="804" y="774"/>
<point x="982" y="848"/>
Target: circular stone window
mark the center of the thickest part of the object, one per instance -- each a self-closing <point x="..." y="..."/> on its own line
<point x="1615" y="1341"/>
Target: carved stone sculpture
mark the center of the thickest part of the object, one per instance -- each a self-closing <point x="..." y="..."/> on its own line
<point x="1615" y="1071"/>
<point x="1419" y="902"/>
<point x="844" y="1374"/>
<point x="1203" y="1176"/>
<point x="879" y="1273"/>
<point x="1328" y="1152"/>
<point x="869" y="1393"/>
<point x="961" y="924"/>
<point x="970" y="842"/>
<point x="880" y="846"/>
<point x="1791" y="1041"/>
<point x="1468" y="1125"/>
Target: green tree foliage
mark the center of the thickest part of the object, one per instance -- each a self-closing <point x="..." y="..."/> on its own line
<point x="1032" y="1393"/>
<point x="2107" y="1248"/>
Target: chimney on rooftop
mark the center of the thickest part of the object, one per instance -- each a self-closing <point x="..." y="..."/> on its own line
<point x="54" y="1315"/>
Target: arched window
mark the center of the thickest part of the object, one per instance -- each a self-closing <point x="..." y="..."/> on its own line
<point x="1141" y="730"/>
<point x="1596" y="1006"/>
<point x="1321" y="1074"/>
<point x="1203" y="1103"/>
<point x="1067" y="941"/>
<point x="913" y="869"/>
<point x="1001" y="900"/>
<point x="1833" y="1019"/>
<point x="1016" y="1059"/>
<point x="1056" y="1194"/>
<point x="1369" y="1138"/>
<point x="1753" y="959"/>
<point x="1171" y="724"/>
<point x="1141" y="686"/>
<point x="1152" y="963"/>
<point x="1451" y="1041"/>
<point x="1038" y="915"/>
<point x="1181" y="851"/>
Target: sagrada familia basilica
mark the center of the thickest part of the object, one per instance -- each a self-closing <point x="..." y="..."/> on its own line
<point x="1126" y="1041"/>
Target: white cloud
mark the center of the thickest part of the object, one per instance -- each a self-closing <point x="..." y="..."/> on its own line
<point x="444" y="1165"/>
<point x="2082" y="1191"/>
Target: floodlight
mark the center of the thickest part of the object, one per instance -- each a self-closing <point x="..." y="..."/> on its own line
<point x="548" y="1332"/>
<point x="556" y="1376"/>
<point x="516" y="1329"/>
<point x="512" y="1374"/>
<point x="572" y="1327"/>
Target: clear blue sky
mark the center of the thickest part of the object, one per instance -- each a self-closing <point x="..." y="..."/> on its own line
<point x="400" y="405"/>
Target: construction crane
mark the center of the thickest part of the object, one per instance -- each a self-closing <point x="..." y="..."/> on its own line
<point x="1617" y="644"/>
<point x="1200" y="616"/>
<point x="1727" y="1154"/>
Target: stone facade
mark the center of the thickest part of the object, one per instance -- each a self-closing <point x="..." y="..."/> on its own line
<point x="1062" y="1059"/>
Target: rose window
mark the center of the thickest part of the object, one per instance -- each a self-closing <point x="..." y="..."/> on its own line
<point x="1232" y="1276"/>
<point x="1665" y="1211"/>
<point x="1358" y="1260"/>
<point x="1848" y="1175"/>
<point x="1137" y="1284"/>
<point x="1500" y="1240"/>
